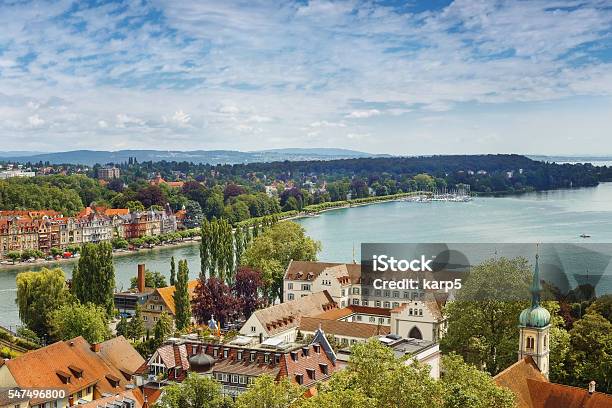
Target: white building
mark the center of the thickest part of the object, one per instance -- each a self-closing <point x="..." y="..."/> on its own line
<point x="15" y="173"/>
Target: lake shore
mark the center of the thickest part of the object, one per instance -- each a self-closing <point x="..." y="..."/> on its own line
<point x="116" y="254"/>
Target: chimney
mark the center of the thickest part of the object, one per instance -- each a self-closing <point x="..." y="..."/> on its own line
<point x="592" y="387"/>
<point x="95" y="347"/>
<point x="141" y="278"/>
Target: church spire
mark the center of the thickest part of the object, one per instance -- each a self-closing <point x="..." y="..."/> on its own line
<point x="536" y="285"/>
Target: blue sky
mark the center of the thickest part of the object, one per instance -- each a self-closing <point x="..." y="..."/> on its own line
<point x="412" y="77"/>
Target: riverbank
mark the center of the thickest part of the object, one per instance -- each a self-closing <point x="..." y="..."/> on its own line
<point x="116" y="254"/>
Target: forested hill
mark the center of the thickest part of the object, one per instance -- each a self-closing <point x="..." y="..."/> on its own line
<point x="484" y="173"/>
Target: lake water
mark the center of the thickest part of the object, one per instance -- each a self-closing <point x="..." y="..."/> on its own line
<point x="555" y="216"/>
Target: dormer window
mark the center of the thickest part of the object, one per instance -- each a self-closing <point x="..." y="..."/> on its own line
<point x="63" y="376"/>
<point x="294" y="355"/>
<point x="305" y="351"/>
<point x="317" y="348"/>
<point x="239" y="356"/>
<point x="114" y="381"/>
<point x="299" y="378"/>
<point x="225" y="353"/>
<point x="324" y="368"/>
<point x="311" y="373"/>
<point x="253" y="355"/>
<point x="78" y="372"/>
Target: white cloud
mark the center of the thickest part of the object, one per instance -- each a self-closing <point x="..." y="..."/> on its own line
<point x="35" y="121"/>
<point x="180" y="119"/>
<point x="123" y="120"/>
<point x="102" y="124"/>
<point x="326" y="124"/>
<point x="363" y="114"/>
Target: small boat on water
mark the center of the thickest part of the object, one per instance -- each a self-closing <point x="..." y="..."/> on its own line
<point x="585" y="236"/>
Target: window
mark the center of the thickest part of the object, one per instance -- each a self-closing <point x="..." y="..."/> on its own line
<point x="372" y="319"/>
<point x="252" y="357"/>
<point x="299" y="378"/>
<point x="267" y="358"/>
<point x="343" y="292"/>
<point x="355" y="291"/>
<point x="355" y="301"/>
<point x="395" y="294"/>
<point x="377" y="292"/>
<point x="276" y="358"/>
<point x="324" y="368"/>
<point x="364" y="302"/>
<point x="387" y="305"/>
<point x="225" y="353"/>
<point x="530" y="343"/>
<point x="290" y="296"/>
<point x="378" y="303"/>
<point x="311" y="373"/>
<point x="358" y="318"/>
<point x="406" y="295"/>
<point x="252" y="329"/>
<point x="145" y="318"/>
<point x="290" y="285"/>
<point x="365" y="291"/>
<point x="242" y="379"/>
<point x="305" y="286"/>
<point x="387" y="293"/>
<point x="239" y="356"/>
<point x="234" y="379"/>
<point x="216" y="352"/>
<point x="395" y="304"/>
<point x="161" y="308"/>
<point x="420" y="312"/>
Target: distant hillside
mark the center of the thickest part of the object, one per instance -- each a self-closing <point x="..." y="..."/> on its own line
<point x="91" y="157"/>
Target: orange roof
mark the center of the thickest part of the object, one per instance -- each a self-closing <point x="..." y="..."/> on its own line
<point x="46" y="366"/>
<point x="342" y="328"/>
<point x="550" y="395"/>
<point x="515" y="379"/>
<point x="116" y="211"/>
<point x="167" y="294"/>
<point x="119" y="353"/>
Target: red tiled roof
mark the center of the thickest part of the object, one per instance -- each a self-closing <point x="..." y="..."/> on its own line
<point x="43" y="365"/>
<point x="515" y="378"/>
<point x="550" y="395"/>
<point x="342" y="328"/>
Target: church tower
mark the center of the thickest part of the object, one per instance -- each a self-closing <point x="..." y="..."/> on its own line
<point x="534" y="326"/>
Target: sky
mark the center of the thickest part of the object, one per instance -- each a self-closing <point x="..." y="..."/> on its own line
<point x="399" y="77"/>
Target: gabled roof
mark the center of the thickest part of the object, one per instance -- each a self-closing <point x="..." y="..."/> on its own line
<point x="120" y="353"/>
<point x="551" y="395"/>
<point x="429" y="302"/>
<point x="167" y="294"/>
<point x="532" y="389"/>
<point x="310" y="270"/>
<point x="172" y="355"/>
<point x="283" y="316"/>
<point x="515" y="378"/>
<point x="47" y="365"/>
<point x="341" y="328"/>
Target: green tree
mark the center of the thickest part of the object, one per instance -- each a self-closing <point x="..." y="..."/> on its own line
<point x="13" y="256"/>
<point x="39" y="294"/>
<point x="181" y="297"/>
<point x="135" y="206"/>
<point x="172" y="272"/>
<point x="264" y="392"/>
<point x="73" y="320"/>
<point x="163" y="328"/>
<point x="93" y="278"/>
<point x="482" y="321"/>
<point x="466" y="386"/>
<point x="195" y="392"/>
<point x="603" y="306"/>
<point x="135" y="327"/>
<point x="559" y="353"/>
<point x="591" y="351"/>
<point x="272" y="251"/>
<point x="122" y="328"/>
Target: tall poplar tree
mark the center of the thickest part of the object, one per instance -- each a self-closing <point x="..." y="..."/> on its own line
<point x="182" y="302"/>
<point x="93" y="278"/>
<point x="205" y="249"/>
<point x="172" y="272"/>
